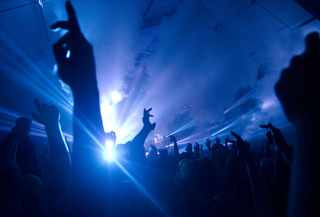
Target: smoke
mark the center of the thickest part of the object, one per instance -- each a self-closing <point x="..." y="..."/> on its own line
<point x="200" y="72"/>
<point x="188" y="68"/>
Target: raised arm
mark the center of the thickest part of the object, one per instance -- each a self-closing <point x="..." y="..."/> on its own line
<point x="175" y="146"/>
<point x="176" y="151"/>
<point x="261" y="196"/>
<point x="208" y="144"/>
<point x="54" y="191"/>
<point x="136" y="147"/>
<point x="49" y="116"/>
<point x="226" y="141"/>
<point x="146" y="129"/>
<point x="78" y="71"/>
<point x="88" y="181"/>
<point x="281" y="143"/>
<point x="231" y="170"/>
<point x="189" y="148"/>
<point x="197" y="150"/>
<point x="299" y="93"/>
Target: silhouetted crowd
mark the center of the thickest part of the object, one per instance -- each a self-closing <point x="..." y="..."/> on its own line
<point x="205" y="180"/>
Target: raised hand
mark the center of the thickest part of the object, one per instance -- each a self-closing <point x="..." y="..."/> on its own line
<point x="49" y="114"/>
<point x="208" y="143"/>
<point x="277" y="135"/>
<point x="146" y="121"/>
<point x="78" y="69"/>
<point x="175" y="147"/>
<point x="189" y="148"/>
<point x="59" y="159"/>
<point x="197" y="149"/>
<point x="269" y="137"/>
<point x="243" y="149"/>
<point x="172" y="138"/>
<point x="154" y="149"/>
<point x="298" y="88"/>
<point x="280" y="142"/>
<point x="226" y="141"/>
<point x="201" y="151"/>
<point x="261" y="196"/>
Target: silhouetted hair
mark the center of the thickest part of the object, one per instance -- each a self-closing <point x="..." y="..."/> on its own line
<point x="23" y="121"/>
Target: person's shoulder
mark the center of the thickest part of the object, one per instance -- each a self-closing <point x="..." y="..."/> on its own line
<point x="25" y="139"/>
<point x="6" y="139"/>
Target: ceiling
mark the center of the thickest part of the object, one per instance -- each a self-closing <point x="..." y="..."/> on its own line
<point x="203" y="63"/>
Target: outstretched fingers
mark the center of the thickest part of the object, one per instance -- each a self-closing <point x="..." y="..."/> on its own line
<point x="146" y="112"/>
<point x="235" y="135"/>
<point x="271" y="127"/>
<point x="240" y="142"/>
<point x="73" y="22"/>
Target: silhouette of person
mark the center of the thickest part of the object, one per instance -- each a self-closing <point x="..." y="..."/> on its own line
<point x="26" y="156"/>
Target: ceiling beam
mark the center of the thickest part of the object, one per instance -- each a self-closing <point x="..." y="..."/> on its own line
<point x="147" y="10"/>
<point x="312" y="6"/>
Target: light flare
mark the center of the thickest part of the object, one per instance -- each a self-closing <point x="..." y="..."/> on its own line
<point x="144" y="190"/>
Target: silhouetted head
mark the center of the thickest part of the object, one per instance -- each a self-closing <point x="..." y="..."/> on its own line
<point x="24" y="124"/>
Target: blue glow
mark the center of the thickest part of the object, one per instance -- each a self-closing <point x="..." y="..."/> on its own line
<point x="144" y="190"/>
<point x="125" y="117"/>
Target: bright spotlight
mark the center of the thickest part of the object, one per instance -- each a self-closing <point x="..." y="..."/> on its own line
<point x="108" y="155"/>
<point x="116" y="97"/>
<point x="110" y="151"/>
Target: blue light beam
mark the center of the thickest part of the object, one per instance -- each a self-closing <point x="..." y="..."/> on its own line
<point x="239" y="120"/>
<point x="191" y="124"/>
